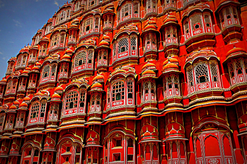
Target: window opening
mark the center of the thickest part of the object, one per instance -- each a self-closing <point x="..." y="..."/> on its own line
<point x="71" y="100"/>
<point x="201" y="73"/>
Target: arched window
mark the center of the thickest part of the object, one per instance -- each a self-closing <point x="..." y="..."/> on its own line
<point x="118" y="91"/>
<point x="201" y="73"/>
<point x="34" y="110"/>
<point x="46" y="71"/>
<point x="71" y="100"/>
<point x="123" y="45"/>
<point x="80" y="59"/>
<point x="53" y="70"/>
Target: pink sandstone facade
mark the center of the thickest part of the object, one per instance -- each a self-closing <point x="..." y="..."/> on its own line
<point x="130" y="82"/>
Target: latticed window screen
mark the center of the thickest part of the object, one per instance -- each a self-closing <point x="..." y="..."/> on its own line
<point x="118" y="91"/>
<point x="82" y="98"/>
<point x="176" y="81"/>
<point x="213" y="68"/>
<point x="196" y="20"/>
<point x="97" y="22"/>
<point x="133" y="43"/>
<point x="186" y="27"/>
<point x="46" y="71"/>
<point x="98" y="100"/>
<point x="42" y="110"/>
<point x="231" y="70"/>
<point x="136" y="8"/>
<point x="71" y="100"/>
<point x="123" y="45"/>
<point x="35" y="110"/>
<point x="239" y="66"/>
<point x="169" y="81"/>
<point x="190" y="76"/>
<point x="80" y="59"/>
<point x="53" y="70"/>
<point x="90" y="56"/>
<point x="201" y="73"/>
<point x="207" y="20"/>
<point x="228" y="16"/>
<point x="93" y="100"/>
<point x="146" y="89"/>
<point x="114" y="49"/>
<point x="1" y="120"/>
<point x="130" y="89"/>
<point x="152" y="87"/>
<point x="245" y="64"/>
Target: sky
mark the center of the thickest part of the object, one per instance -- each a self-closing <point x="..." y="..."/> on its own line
<point x="19" y="22"/>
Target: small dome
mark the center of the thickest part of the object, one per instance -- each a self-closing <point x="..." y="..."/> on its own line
<point x="38" y="64"/>
<point x="170" y="65"/>
<point x="147" y="65"/>
<point x="56" y="96"/>
<point x="23" y="104"/>
<point x="96" y="85"/>
<point x="26" y="98"/>
<point x="16" y="102"/>
<point x="69" y="50"/>
<point x="35" y="68"/>
<point x="59" y="88"/>
<point x="235" y="50"/>
<point x="12" y="107"/>
<point x="104" y="43"/>
<point x="148" y="72"/>
<point x="67" y="57"/>
<point x="98" y="77"/>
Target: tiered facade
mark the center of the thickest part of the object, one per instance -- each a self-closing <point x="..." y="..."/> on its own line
<point x="129" y="81"/>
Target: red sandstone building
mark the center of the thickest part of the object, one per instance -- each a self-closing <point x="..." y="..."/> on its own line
<point x="128" y="81"/>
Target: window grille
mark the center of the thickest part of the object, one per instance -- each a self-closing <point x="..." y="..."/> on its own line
<point x="239" y="66"/>
<point x="133" y="43"/>
<point x="213" y="68"/>
<point x="93" y="100"/>
<point x="123" y="43"/>
<point x="201" y="73"/>
<point x="169" y="81"/>
<point x="118" y="91"/>
<point x="82" y="98"/>
<point x="71" y="100"/>
<point x="46" y="71"/>
<point x="53" y="70"/>
<point x="207" y="20"/>
<point x="35" y="110"/>
<point x="114" y="49"/>
<point x="196" y="21"/>
<point x="186" y="27"/>
<point x="96" y="22"/>
<point x="90" y="56"/>
<point x="130" y="89"/>
<point x="190" y="76"/>
<point x="245" y="64"/>
<point x="136" y="8"/>
<point x="80" y="59"/>
<point x="231" y="70"/>
<point x="42" y="111"/>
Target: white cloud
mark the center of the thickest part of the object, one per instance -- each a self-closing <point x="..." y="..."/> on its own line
<point x="1" y="4"/>
<point x="56" y="3"/>
<point x="17" y="23"/>
<point x="1" y="53"/>
<point x="3" y="58"/>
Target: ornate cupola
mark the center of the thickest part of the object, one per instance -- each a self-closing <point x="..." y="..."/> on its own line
<point x="229" y="20"/>
<point x="169" y="31"/>
<point x="96" y="100"/>
<point x="53" y="113"/>
<point x="21" y="117"/>
<point x="103" y="53"/>
<point x="33" y="78"/>
<point x="108" y="18"/>
<point x="23" y="81"/>
<point x="42" y="50"/>
<point x="147" y="84"/>
<point x="175" y="137"/>
<point x="149" y="140"/>
<point x="73" y="32"/>
<point x="64" y="71"/>
<point x="171" y="82"/>
<point x="3" y="84"/>
<point x="150" y="39"/>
